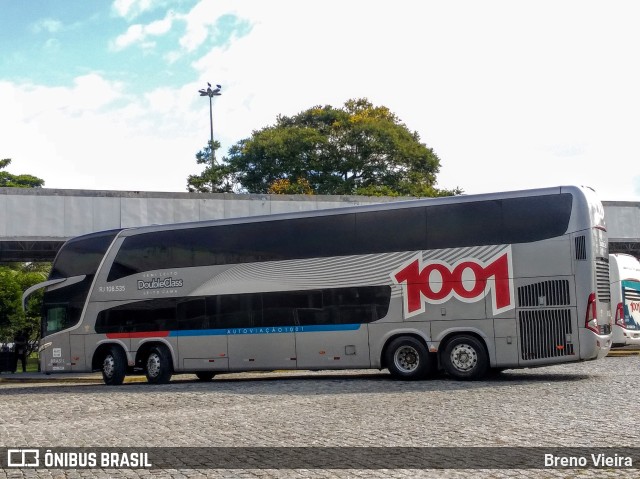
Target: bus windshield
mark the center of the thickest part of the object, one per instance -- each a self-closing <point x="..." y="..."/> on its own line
<point x="77" y="261"/>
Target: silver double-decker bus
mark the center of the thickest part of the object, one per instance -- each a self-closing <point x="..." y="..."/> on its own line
<point x="464" y="284"/>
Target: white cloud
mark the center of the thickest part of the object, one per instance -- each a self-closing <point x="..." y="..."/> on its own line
<point x="91" y="136"/>
<point x="131" y="8"/>
<point x="135" y="33"/>
<point x="138" y="33"/>
<point x="201" y="22"/>
<point x="509" y="95"/>
<point x="48" y="25"/>
<point x="160" y="27"/>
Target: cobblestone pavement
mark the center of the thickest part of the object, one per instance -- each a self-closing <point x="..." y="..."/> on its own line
<point x="578" y="405"/>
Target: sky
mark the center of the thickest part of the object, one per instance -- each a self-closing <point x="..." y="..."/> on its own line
<point x="103" y="95"/>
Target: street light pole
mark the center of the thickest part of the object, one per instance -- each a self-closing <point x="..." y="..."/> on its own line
<point x="211" y="93"/>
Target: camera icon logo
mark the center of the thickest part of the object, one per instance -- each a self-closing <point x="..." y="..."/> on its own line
<point x="23" y="457"/>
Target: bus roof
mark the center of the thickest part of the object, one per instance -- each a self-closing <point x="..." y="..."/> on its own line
<point x="400" y="204"/>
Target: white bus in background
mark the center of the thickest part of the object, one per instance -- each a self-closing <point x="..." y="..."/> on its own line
<point x="464" y="284"/>
<point x="624" y="274"/>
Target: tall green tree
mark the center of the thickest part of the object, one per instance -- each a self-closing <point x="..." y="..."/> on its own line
<point x="17" y="181"/>
<point x="357" y="149"/>
<point x="15" y="278"/>
<point x="215" y="178"/>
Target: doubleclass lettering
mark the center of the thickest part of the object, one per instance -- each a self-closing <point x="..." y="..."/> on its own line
<point x="160" y="283"/>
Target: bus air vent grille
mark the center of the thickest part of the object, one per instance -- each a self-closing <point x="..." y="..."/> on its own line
<point x="631" y="294"/>
<point x="545" y="293"/>
<point x="581" y="248"/>
<point x="545" y="333"/>
<point x="602" y="280"/>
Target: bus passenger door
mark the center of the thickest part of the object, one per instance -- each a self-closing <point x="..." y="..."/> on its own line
<point x="78" y="358"/>
<point x="201" y="345"/>
<point x="55" y="350"/>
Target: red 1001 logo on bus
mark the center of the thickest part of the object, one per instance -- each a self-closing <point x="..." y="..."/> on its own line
<point x="468" y="280"/>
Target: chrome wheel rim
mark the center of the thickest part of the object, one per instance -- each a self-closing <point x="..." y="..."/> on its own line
<point x="153" y="365"/>
<point x="108" y="366"/>
<point x="406" y="359"/>
<point x="464" y="357"/>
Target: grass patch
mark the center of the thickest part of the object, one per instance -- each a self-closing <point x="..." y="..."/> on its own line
<point x="32" y="364"/>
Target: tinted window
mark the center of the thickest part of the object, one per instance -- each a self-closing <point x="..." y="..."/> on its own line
<point x="231" y="244"/>
<point x="279" y="309"/>
<point x="62" y="307"/>
<point x="392" y="230"/>
<point x="288" y="308"/>
<point x="81" y="255"/>
<point x="357" y="305"/>
<point x="233" y="310"/>
<point x="154" y="315"/>
<point x="464" y="224"/>
<point x="536" y="218"/>
<point x="320" y="236"/>
<point x="514" y="220"/>
<point x="57" y="317"/>
<point x="192" y="314"/>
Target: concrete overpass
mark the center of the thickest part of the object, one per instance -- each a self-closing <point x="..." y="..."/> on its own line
<point x="34" y="223"/>
<point x="623" y="226"/>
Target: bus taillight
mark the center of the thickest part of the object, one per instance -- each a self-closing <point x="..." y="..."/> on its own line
<point x="591" y="320"/>
<point x="620" y="315"/>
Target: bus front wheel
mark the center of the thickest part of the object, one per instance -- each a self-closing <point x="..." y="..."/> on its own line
<point x="407" y="358"/>
<point x="158" y="367"/>
<point x="114" y="366"/>
<point x="464" y="357"/>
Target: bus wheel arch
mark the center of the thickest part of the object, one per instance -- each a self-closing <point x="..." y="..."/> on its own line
<point x="111" y="360"/>
<point x="464" y="356"/>
<point x="407" y="357"/>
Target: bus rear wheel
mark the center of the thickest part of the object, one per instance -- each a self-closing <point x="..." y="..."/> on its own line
<point x="158" y="367"/>
<point x="464" y="357"/>
<point x="407" y="358"/>
<point x="114" y="366"/>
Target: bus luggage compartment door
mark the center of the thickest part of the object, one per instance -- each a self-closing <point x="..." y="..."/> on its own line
<point x="262" y="348"/>
<point x="333" y="346"/>
<point x="203" y="350"/>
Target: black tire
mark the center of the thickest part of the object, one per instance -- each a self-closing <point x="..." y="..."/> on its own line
<point x="408" y="358"/>
<point x="114" y="366"/>
<point x="465" y="358"/>
<point x="205" y="375"/>
<point x="158" y="366"/>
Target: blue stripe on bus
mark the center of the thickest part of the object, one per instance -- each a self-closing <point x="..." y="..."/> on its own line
<point x="267" y="330"/>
